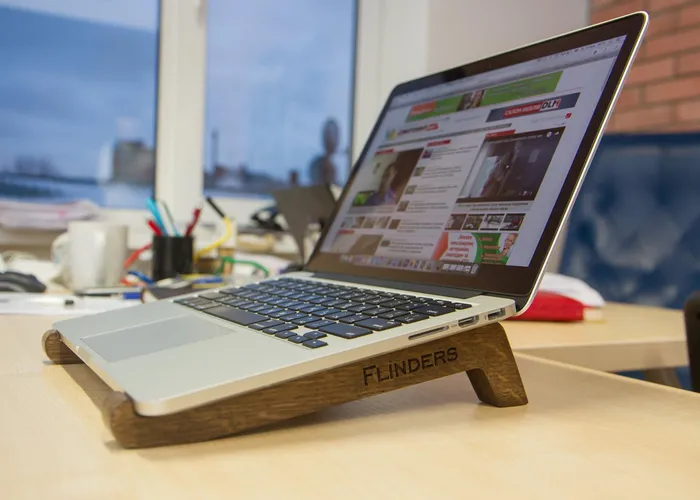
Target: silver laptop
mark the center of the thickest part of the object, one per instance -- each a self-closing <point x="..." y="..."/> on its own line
<point x="445" y="224"/>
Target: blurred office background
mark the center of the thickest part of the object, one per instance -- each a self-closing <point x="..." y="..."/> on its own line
<point x="634" y="233"/>
<point x="111" y="101"/>
<point x="78" y="97"/>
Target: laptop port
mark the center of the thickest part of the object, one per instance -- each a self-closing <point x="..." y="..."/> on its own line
<point x="428" y="332"/>
<point x="496" y="314"/>
<point x="468" y="321"/>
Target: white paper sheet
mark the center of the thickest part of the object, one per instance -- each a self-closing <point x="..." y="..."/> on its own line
<point x="45" y="216"/>
<point x="37" y="304"/>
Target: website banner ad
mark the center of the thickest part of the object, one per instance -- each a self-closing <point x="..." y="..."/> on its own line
<point x="530" y="108"/>
<point x="520" y="89"/>
<point x="511" y="167"/>
<point x="383" y="184"/>
<point x="474" y="247"/>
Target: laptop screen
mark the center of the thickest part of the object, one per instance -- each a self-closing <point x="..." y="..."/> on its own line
<point x="464" y="175"/>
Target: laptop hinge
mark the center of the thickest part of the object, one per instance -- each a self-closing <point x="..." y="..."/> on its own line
<point x="458" y="293"/>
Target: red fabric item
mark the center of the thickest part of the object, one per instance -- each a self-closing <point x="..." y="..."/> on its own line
<point x="548" y="306"/>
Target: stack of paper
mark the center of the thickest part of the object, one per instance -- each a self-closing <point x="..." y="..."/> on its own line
<point x="46" y="216"/>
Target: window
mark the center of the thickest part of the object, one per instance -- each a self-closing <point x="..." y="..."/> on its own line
<point x="78" y="100"/>
<point x="279" y="83"/>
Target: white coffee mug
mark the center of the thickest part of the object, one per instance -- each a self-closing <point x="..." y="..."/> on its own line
<point x="91" y="254"/>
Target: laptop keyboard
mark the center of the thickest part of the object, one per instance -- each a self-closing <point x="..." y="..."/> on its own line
<point x="281" y="306"/>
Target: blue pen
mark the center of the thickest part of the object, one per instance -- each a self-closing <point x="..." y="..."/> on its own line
<point x="151" y="204"/>
<point x="141" y="276"/>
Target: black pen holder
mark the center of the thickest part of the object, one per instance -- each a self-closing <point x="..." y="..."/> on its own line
<point x="172" y="255"/>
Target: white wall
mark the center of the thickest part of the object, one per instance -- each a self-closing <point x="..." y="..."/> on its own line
<point x="399" y="40"/>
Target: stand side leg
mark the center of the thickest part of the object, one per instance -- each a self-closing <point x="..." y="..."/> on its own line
<point x="495" y="376"/>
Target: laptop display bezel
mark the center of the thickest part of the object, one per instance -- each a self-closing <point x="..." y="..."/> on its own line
<point x="513" y="282"/>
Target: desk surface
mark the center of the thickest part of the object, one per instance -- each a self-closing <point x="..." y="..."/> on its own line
<point x="629" y="338"/>
<point x="584" y="434"/>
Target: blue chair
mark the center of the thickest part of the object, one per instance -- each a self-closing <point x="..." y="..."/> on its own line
<point x="634" y="232"/>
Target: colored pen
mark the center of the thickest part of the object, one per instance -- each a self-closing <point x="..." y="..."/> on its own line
<point x="151" y="204"/>
<point x="195" y="219"/>
<point x="154" y="227"/>
<point x="169" y="219"/>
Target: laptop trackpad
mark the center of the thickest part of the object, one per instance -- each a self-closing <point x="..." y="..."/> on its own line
<point x="154" y="337"/>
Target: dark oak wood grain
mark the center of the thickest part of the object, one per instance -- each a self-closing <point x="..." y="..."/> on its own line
<point x="56" y="350"/>
<point x="484" y="353"/>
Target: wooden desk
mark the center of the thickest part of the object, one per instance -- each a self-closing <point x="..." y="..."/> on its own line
<point x="630" y="338"/>
<point x="585" y="434"/>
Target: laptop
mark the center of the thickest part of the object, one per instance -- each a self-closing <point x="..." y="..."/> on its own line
<point x="445" y="224"/>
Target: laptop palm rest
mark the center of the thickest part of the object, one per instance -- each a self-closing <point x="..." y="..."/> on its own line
<point x="154" y="337"/>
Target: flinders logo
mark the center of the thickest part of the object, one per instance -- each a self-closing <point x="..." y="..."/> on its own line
<point x="396" y="369"/>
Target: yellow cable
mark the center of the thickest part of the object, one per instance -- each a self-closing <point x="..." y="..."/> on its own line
<point x="227" y="234"/>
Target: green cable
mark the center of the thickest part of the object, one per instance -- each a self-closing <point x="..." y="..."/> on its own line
<point x="232" y="261"/>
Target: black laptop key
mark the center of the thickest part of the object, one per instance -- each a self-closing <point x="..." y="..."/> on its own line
<point x="292" y="316"/>
<point x="361" y="308"/>
<point x="286" y="302"/>
<point x="433" y="310"/>
<point x="376" y="311"/>
<point x="318" y="323"/>
<point x="234" y="315"/>
<point x="460" y="305"/>
<point x="339" y="303"/>
<point x="233" y="301"/>
<point x="379" y="300"/>
<point x="285" y="334"/>
<point x="410" y="306"/>
<point x="365" y="297"/>
<point x="314" y="335"/>
<point x="203" y="306"/>
<point x="284" y="327"/>
<point x="326" y="301"/>
<point x="265" y="324"/>
<point x="258" y="307"/>
<point x="353" y="318"/>
<point x="395" y="304"/>
<point x="377" y="324"/>
<point x="311" y="309"/>
<point x="396" y="313"/>
<point x="412" y="318"/>
<point x="270" y="310"/>
<point x="280" y="313"/>
<point x="256" y="296"/>
<point x="314" y="344"/>
<point x="345" y="331"/>
<point x="246" y="304"/>
<point x="304" y="320"/>
<point x="445" y="303"/>
<point x="327" y="311"/>
<point x="297" y="339"/>
<point x="338" y="315"/>
<point x="214" y="296"/>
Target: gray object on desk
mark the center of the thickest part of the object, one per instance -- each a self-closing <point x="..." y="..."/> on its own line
<point x="303" y="206"/>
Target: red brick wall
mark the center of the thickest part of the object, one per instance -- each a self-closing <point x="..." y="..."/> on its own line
<point x="662" y="91"/>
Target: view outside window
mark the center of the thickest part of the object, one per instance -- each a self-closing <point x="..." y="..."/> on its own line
<point x="279" y="94"/>
<point x="78" y="100"/>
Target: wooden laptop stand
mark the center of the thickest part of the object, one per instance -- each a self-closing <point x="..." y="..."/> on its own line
<point x="484" y="353"/>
